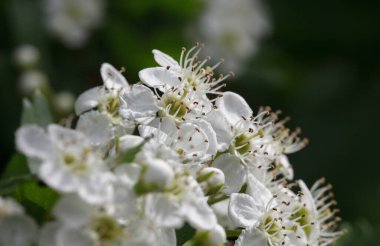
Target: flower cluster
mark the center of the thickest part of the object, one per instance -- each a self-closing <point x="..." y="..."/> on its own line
<point x="144" y="159"/>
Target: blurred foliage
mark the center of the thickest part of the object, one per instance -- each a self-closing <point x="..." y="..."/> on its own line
<point x="320" y="65"/>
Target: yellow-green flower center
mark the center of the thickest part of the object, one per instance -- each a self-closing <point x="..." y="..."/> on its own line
<point x="107" y="229"/>
<point x="242" y="144"/>
<point x="177" y="106"/>
<point x="302" y="215"/>
<point x="112" y="105"/>
<point x="74" y="164"/>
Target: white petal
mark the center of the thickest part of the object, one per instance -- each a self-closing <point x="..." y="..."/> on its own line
<point x="17" y="230"/>
<point x="255" y="187"/>
<point x="96" y="188"/>
<point x="153" y="149"/>
<point x="244" y="211"/>
<point x="73" y="211"/>
<point x="192" y="140"/>
<point x="145" y="233"/>
<point x="159" y="77"/>
<point x="138" y="102"/>
<point x="222" y="129"/>
<point x="159" y="128"/>
<point x="88" y="100"/>
<point x="199" y="214"/>
<point x="128" y="175"/>
<point x="159" y="208"/>
<point x="129" y="142"/>
<point x="112" y="78"/>
<point x="167" y="237"/>
<point x="96" y="126"/>
<point x="251" y="236"/>
<point x="221" y="211"/>
<point x="48" y="234"/>
<point x="165" y="60"/>
<point x="307" y="197"/>
<point x="217" y="235"/>
<point x="152" y="132"/>
<point x="57" y="177"/>
<point x="34" y="142"/>
<point x="233" y="170"/>
<point x="165" y="124"/>
<point x="159" y="173"/>
<point x="286" y="167"/>
<point x="73" y="237"/>
<point x="9" y="206"/>
<point x="233" y="107"/>
<point x="211" y="136"/>
<point x="66" y="138"/>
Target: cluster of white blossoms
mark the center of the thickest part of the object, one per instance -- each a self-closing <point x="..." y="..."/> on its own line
<point x="143" y="160"/>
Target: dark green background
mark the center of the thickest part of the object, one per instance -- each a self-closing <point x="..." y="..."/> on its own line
<point x="320" y="65"/>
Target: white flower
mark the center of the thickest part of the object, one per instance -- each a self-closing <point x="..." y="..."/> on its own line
<point x="82" y="224"/>
<point x="72" y="20"/>
<point x="139" y="104"/>
<point x="183" y="86"/>
<point x="259" y="141"/>
<point x="16" y="228"/>
<point x="182" y="202"/>
<point x="192" y="140"/>
<point x="233" y="29"/>
<point x="261" y="214"/>
<point x="123" y="104"/>
<point x="315" y="214"/>
<point x="68" y="163"/>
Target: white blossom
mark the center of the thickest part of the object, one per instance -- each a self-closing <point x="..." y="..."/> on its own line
<point x="73" y="20"/>
<point x="68" y="163"/>
<point x="233" y="30"/>
<point x="16" y="228"/>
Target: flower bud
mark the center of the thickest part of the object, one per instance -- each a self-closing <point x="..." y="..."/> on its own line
<point x="26" y="56"/>
<point x="64" y="102"/>
<point x="157" y="175"/>
<point x="211" y="179"/>
<point x="31" y="81"/>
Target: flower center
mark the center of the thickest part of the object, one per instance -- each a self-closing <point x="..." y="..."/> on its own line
<point x="176" y="106"/>
<point x="302" y="216"/>
<point x="112" y="106"/>
<point x="75" y="165"/>
<point x="242" y="143"/>
<point x="107" y="229"/>
<point x="271" y="226"/>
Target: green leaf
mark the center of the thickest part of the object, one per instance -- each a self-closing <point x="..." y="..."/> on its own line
<point x="36" y="111"/>
<point x="7" y="186"/>
<point x="184" y="234"/>
<point x="233" y="234"/>
<point x="37" y="199"/>
<point x="15" y="167"/>
<point x="16" y="172"/>
<point x="16" y="181"/>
